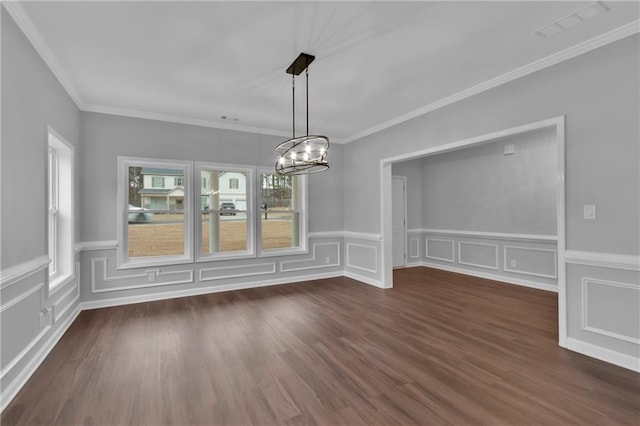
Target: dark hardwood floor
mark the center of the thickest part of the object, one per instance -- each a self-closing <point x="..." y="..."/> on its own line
<point x="438" y="348"/>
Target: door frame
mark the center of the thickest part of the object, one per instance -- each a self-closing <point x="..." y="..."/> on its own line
<point x="404" y="226"/>
<point x="386" y="226"/>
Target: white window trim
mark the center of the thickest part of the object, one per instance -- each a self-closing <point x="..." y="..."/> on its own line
<point x="64" y="251"/>
<point x="124" y="262"/>
<point x="250" y="197"/>
<point x="302" y="212"/>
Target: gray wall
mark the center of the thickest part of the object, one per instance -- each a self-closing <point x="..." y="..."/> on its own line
<point x="32" y="99"/>
<point x="481" y="189"/>
<point x="597" y="91"/>
<point x="32" y="318"/>
<point x="107" y="136"/>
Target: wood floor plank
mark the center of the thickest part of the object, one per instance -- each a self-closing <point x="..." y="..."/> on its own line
<point x="438" y="348"/>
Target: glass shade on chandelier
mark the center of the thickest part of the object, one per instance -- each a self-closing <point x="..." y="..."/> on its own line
<point x="302" y="155"/>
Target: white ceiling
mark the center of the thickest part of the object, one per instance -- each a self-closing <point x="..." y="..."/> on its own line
<point x="375" y="61"/>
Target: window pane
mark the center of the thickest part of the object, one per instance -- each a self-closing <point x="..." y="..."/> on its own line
<point x="223" y="208"/>
<point x="156" y="220"/>
<point x="279" y="211"/>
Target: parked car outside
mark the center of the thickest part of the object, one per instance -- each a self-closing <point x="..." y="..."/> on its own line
<point x="227" y="208"/>
<point x="139" y="215"/>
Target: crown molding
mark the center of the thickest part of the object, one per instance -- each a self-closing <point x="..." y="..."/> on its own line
<point x="554" y="59"/>
<point x="23" y="21"/>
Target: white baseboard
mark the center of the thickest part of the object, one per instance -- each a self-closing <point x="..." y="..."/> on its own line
<point x="494" y="277"/>
<point x="14" y="387"/>
<point x="604" y="354"/>
<point x="118" y="301"/>
<point x="366" y="280"/>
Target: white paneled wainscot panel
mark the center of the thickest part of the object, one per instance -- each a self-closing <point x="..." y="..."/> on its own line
<point x="480" y="255"/>
<point x="598" y="298"/>
<point x="363" y="257"/>
<point x="527" y="260"/>
<point x="32" y="321"/>
<point x="324" y="255"/>
<point x="531" y="261"/>
<point x="152" y="277"/>
<point x="440" y="249"/>
<point x="222" y="272"/>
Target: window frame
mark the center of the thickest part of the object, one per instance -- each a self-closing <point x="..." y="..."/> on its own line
<point x="201" y="166"/>
<point x="123" y="259"/>
<point x="302" y="247"/>
<point x="61" y="207"/>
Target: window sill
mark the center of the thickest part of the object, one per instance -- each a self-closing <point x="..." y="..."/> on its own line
<point x="153" y="263"/>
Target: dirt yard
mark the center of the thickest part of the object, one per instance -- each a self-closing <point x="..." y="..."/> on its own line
<point x="149" y="239"/>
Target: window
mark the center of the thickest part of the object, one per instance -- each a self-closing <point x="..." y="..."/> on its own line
<point x="155" y="227"/>
<point x="282" y="219"/>
<point x="225" y="228"/>
<point x="60" y="193"/>
<point x="157" y="182"/>
<point x="164" y="225"/>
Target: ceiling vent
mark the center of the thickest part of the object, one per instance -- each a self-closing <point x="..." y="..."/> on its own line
<point x="581" y="15"/>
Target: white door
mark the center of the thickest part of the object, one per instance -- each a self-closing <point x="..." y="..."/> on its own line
<point x="398" y="189"/>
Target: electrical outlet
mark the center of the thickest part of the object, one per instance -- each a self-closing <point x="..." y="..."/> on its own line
<point x="327" y="260"/>
<point x="151" y="276"/>
<point x="513" y="263"/>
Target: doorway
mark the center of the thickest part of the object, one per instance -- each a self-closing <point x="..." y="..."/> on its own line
<point x="386" y="198"/>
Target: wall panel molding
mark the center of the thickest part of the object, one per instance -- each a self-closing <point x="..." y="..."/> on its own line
<point x="152" y="277"/>
<point x="477" y="265"/>
<point x="554" y="259"/>
<point x="493" y="235"/>
<point x="450" y="259"/>
<point x="14" y="274"/>
<point x="414" y="248"/>
<point x="603" y="260"/>
<point x="374" y="256"/>
<point x="11" y="390"/>
<point x="241" y="271"/>
<point x="314" y="258"/>
<point x="362" y="236"/>
<point x="585" y="308"/>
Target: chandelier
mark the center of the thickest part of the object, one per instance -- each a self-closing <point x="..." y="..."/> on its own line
<point x="302" y="154"/>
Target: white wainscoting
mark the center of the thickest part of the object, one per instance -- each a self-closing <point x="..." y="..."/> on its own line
<point x="151" y="277"/>
<point x="595" y="310"/>
<point x="435" y="248"/>
<point x="362" y="257"/>
<point x="414" y="248"/>
<point x="33" y="320"/>
<point x="324" y="255"/>
<point x="535" y="262"/>
<point x="605" y="289"/>
<point x="237" y="271"/>
<point x="476" y="253"/>
<point x="468" y="252"/>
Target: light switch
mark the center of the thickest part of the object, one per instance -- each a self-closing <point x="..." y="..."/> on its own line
<point x="590" y="212"/>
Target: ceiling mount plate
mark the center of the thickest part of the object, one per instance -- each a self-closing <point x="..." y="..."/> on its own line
<point x="300" y="64"/>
